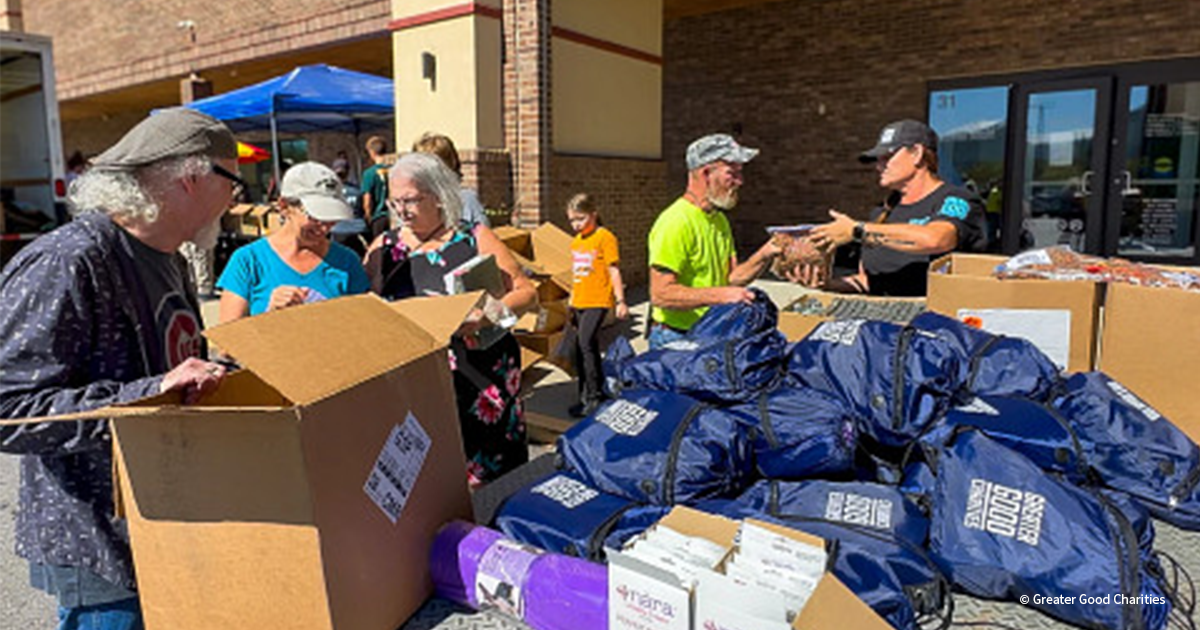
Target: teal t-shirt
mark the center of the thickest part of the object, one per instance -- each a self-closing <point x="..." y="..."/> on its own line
<point x="698" y="247"/>
<point x="375" y="182"/>
<point x="255" y="270"/>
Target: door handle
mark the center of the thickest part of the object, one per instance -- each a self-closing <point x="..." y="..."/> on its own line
<point x="1129" y="190"/>
<point x="1085" y="185"/>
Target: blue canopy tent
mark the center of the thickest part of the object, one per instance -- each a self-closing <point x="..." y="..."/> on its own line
<point x="309" y="98"/>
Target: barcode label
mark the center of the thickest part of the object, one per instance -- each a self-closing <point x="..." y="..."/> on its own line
<point x="397" y="468"/>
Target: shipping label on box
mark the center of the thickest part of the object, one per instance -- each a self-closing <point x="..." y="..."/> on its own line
<point x="1048" y="329"/>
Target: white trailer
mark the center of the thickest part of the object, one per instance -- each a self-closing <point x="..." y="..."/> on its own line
<point x="32" y="184"/>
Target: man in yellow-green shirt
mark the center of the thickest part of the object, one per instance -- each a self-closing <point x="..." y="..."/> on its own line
<point x="693" y="263"/>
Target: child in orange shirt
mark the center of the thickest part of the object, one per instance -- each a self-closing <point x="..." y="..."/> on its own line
<point x="596" y="288"/>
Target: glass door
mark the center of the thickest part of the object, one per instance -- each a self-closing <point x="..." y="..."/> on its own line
<point x="1056" y="188"/>
<point x="1154" y="189"/>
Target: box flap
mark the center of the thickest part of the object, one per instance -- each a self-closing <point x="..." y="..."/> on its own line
<point x="552" y="248"/>
<point x="440" y="315"/>
<point x="94" y="414"/>
<point x="240" y="209"/>
<point x="312" y="351"/>
<point x="691" y="522"/>
<point x="834" y="605"/>
<point x="515" y="239"/>
<point x="259" y="211"/>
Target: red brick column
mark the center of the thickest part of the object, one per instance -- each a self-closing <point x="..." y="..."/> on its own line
<point x="527" y="106"/>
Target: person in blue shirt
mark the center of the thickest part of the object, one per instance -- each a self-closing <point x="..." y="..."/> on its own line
<point x="297" y="264"/>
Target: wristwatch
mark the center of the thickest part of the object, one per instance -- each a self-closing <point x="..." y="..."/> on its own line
<point x="859" y="231"/>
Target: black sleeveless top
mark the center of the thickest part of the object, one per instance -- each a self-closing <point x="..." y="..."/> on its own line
<point x="404" y="273"/>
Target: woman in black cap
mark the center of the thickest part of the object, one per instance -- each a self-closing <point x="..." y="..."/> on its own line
<point x="923" y="218"/>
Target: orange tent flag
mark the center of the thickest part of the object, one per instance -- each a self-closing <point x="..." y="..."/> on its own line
<point x="249" y="154"/>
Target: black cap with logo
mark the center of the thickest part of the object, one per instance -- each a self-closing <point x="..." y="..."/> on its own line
<point x="902" y="133"/>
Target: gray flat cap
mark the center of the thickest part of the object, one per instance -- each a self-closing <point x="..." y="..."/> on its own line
<point x="717" y="147"/>
<point x="170" y="133"/>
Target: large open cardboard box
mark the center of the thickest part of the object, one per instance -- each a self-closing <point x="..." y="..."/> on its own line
<point x="306" y="491"/>
<point x="645" y="597"/>
<point x="1149" y="344"/>
<point x="962" y="283"/>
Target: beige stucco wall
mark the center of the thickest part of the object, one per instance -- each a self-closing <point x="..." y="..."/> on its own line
<point x="464" y="100"/>
<point x="606" y="103"/>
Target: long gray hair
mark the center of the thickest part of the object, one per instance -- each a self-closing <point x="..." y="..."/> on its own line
<point x="432" y="177"/>
<point x="133" y="194"/>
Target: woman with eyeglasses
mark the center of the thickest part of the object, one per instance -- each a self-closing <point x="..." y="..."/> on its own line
<point x="924" y="217"/>
<point x="298" y="263"/>
<point x="413" y="259"/>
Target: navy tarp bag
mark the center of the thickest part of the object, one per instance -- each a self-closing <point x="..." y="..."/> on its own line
<point x="737" y="320"/>
<point x="996" y="365"/>
<point x="721" y="372"/>
<point x="562" y="514"/>
<point x="1003" y="529"/>
<point x="658" y="448"/>
<point x="880" y="538"/>
<point x="730" y="354"/>
<point x="1133" y="448"/>
<point x="799" y="433"/>
<point x="895" y="379"/>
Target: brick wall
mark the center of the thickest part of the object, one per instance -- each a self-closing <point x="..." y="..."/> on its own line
<point x="527" y="105"/>
<point x="102" y="46"/>
<point x="811" y="82"/>
<point x="629" y="194"/>
<point x="488" y="171"/>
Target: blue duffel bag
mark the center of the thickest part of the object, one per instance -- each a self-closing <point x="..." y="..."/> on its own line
<point x="799" y="433"/>
<point x="737" y="320"/>
<point x="658" y="448"/>
<point x="1095" y="431"/>
<point x="1001" y="528"/>
<point x="562" y="514"/>
<point x="721" y="372"/>
<point x="895" y="379"/>
<point x="880" y="537"/>
<point x="1132" y="447"/>
<point x="996" y="365"/>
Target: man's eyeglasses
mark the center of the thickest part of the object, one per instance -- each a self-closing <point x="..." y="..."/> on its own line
<point x="239" y="184"/>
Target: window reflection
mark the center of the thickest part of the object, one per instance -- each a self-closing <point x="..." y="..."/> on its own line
<point x="971" y="125"/>
<point x="1162" y="171"/>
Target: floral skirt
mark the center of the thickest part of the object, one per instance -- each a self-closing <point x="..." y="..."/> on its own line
<point x="487" y="386"/>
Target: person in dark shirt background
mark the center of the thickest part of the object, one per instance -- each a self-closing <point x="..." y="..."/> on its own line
<point x="923" y="218"/>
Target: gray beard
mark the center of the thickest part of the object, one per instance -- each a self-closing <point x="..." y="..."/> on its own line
<point x="728" y="202"/>
<point x="206" y="237"/>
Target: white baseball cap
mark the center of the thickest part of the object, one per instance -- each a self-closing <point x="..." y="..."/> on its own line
<point x="318" y="190"/>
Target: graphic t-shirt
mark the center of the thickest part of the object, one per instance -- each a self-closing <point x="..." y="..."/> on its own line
<point x="695" y="245"/>
<point x="592" y="255"/>
<point x="255" y="270"/>
<point x="890" y="272"/>
<point x="165" y="282"/>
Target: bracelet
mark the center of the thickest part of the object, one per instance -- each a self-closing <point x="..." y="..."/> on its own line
<point x="620" y="302"/>
<point x="859" y="232"/>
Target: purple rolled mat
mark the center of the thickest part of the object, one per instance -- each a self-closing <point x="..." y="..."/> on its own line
<point x="548" y="591"/>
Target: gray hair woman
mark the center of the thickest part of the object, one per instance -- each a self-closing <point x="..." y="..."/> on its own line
<point x="430" y="241"/>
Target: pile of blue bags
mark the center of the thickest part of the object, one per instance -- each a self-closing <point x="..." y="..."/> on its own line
<point x="933" y="457"/>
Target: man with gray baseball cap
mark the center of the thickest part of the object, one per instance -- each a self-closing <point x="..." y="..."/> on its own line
<point x="101" y="311"/>
<point x="693" y="263"/>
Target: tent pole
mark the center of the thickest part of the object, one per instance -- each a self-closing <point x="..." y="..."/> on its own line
<point x="275" y="148"/>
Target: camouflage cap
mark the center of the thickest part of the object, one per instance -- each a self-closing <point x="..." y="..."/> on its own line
<point x="717" y="147"/>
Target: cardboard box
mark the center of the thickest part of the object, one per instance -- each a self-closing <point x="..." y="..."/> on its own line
<point x="549" y="317"/>
<point x="305" y="492"/>
<point x="1149" y="344"/>
<point x="644" y="596"/>
<point x="544" y="254"/>
<point x="1062" y="318"/>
